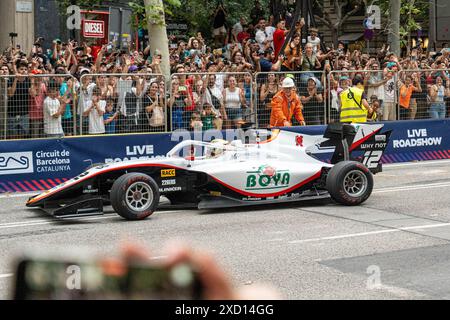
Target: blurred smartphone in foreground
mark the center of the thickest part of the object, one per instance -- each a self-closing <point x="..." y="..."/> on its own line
<point x="44" y="278"/>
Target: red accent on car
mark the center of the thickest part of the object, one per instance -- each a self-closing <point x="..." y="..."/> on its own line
<point x="361" y="141"/>
<point x="299" y="141"/>
<point x="269" y="171"/>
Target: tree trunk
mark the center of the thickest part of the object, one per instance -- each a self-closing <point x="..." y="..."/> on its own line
<point x="157" y="33"/>
<point x="394" y="30"/>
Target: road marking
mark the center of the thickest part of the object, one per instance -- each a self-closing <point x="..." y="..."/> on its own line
<point x="413" y="187"/>
<point x="362" y="234"/>
<point x="275" y="240"/>
<point x="18" y="195"/>
<point x="31" y="223"/>
<point x="418" y="163"/>
<point x="6" y="275"/>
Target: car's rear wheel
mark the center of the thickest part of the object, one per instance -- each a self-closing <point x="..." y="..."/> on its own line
<point x="135" y="196"/>
<point x="350" y="183"/>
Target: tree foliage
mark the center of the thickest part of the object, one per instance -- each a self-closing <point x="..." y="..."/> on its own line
<point x="413" y="16"/>
<point x="198" y="14"/>
<point x="85" y="4"/>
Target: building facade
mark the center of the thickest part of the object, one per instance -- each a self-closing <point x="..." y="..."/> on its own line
<point x="30" y="19"/>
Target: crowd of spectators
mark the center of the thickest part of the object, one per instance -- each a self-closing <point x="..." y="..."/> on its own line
<point x="218" y="83"/>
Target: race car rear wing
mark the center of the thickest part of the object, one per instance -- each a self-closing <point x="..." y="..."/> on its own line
<point x="360" y="142"/>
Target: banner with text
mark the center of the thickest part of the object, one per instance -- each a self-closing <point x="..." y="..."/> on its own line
<point x="33" y="165"/>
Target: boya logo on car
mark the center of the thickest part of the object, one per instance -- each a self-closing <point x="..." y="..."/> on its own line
<point x="165" y="173"/>
<point x="258" y="180"/>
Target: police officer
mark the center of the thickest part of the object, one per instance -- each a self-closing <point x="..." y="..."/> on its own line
<point x="354" y="105"/>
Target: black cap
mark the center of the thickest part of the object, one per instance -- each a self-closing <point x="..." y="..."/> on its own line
<point x="358" y="80"/>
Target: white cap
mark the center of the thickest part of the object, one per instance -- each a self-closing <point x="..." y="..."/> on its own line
<point x="288" y="83"/>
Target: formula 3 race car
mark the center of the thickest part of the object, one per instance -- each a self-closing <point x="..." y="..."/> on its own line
<point x="264" y="167"/>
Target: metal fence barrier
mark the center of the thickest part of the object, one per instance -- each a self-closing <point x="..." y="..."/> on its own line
<point x="122" y="103"/>
<point x="424" y="94"/>
<point x="202" y="101"/>
<point x="37" y="106"/>
<point x="46" y="106"/>
<point x="380" y="90"/>
<point x="310" y="87"/>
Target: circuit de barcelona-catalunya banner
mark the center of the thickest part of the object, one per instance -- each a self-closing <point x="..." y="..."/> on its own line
<point x="31" y="165"/>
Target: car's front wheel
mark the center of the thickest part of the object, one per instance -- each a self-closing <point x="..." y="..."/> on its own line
<point x="350" y="183"/>
<point x="135" y="196"/>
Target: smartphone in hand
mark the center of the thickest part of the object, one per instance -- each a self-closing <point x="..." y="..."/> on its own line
<point x="45" y="277"/>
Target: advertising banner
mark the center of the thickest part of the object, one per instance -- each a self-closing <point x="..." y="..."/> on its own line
<point x="33" y="165"/>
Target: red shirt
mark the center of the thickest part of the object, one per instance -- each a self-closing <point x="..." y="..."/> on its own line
<point x="242" y="35"/>
<point x="278" y="40"/>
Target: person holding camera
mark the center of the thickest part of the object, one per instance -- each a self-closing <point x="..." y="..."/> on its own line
<point x="219" y="25"/>
<point x="294" y="54"/>
<point x="95" y="110"/>
<point x="411" y="85"/>
<point x="179" y="101"/>
<point x="19" y="101"/>
<point x="266" y="59"/>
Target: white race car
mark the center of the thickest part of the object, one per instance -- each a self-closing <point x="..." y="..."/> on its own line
<point x="265" y="166"/>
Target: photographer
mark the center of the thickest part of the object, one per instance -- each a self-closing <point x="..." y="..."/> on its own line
<point x="266" y="61"/>
<point x="19" y="101"/>
<point x="294" y="54"/>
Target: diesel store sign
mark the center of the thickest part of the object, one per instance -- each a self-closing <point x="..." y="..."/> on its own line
<point x="93" y="29"/>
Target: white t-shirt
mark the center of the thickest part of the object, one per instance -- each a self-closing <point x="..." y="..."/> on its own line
<point x="220" y="78"/>
<point x="315" y="43"/>
<point x="96" y="122"/>
<point x="389" y="91"/>
<point x="269" y="32"/>
<point x="217" y="93"/>
<point x="85" y="97"/>
<point x="260" y="37"/>
<point x="52" y="125"/>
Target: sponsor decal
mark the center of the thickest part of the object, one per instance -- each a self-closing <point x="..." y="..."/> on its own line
<point x="136" y="152"/>
<point x="380" y="138"/>
<point x="267" y="171"/>
<point x="266" y="178"/>
<point x="89" y="189"/>
<point x="16" y="163"/>
<point x="170" y="189"/>
<point x="169" y="182"/>
<point x="373" y="146"/>
<point x="417" y="138"/>
<point x="167" y="173"/>
<point x="299" y="141"/>
<point x="52" y="161"/>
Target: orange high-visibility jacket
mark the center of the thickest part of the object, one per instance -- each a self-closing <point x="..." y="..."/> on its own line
<point x="281" y="111"/>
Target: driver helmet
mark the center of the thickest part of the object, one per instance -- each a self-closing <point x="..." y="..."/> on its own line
<point x="214" y="152"/>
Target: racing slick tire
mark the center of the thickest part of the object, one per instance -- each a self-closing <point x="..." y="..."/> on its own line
<point x="134" y="196"/>
<point x="349" y="183"/>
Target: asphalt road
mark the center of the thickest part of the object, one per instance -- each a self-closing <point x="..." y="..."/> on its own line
<point x="395" y="246"/>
